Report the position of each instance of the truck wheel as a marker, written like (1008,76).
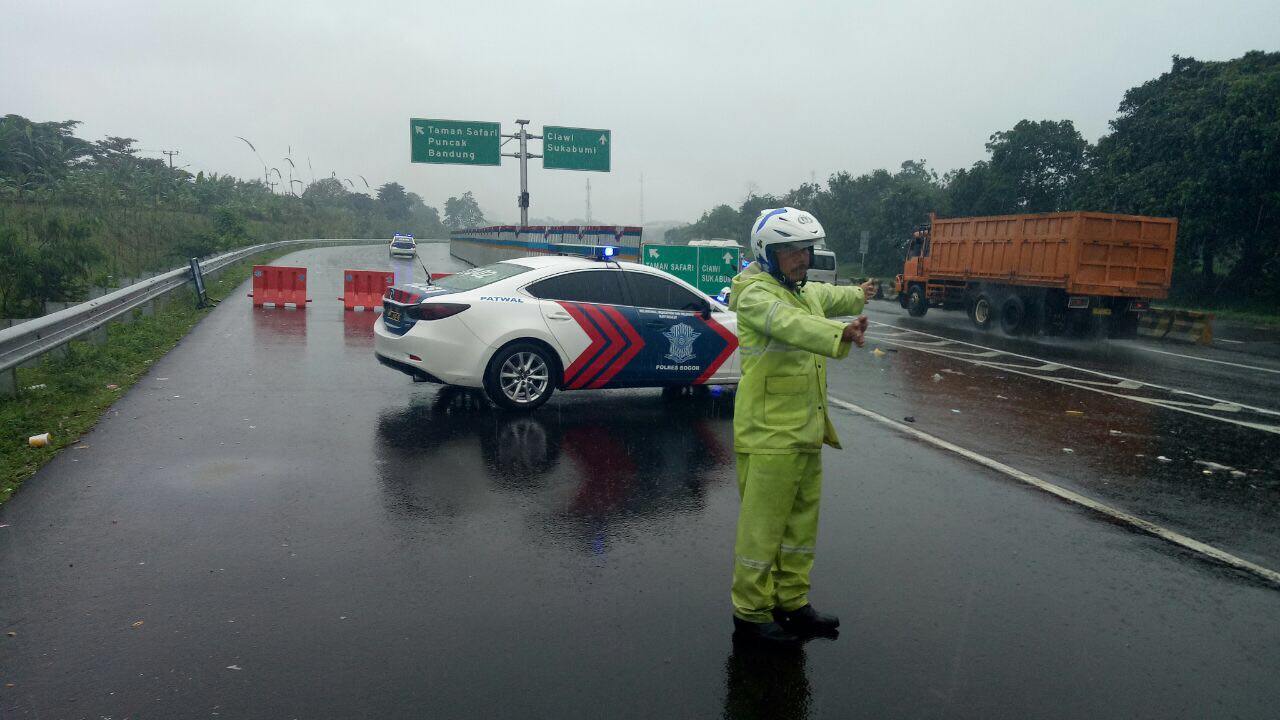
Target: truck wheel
(1012,314)
(982,312)
(521,376)
(917,305)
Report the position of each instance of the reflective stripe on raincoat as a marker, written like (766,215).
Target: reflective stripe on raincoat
(784,338)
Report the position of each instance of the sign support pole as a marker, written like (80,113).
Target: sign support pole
(523,136)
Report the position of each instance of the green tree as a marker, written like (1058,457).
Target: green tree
(1202,143)
(463,212)
(1034,167)
(49,262)
(328,192)
(394,201)
(35,155)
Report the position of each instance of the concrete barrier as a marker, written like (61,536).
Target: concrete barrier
(1177,325)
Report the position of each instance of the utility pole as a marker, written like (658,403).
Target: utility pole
(588,201)
(170,153)
(523,154)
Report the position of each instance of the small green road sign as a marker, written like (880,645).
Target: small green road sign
(455,142)
(566,148)
(707,268)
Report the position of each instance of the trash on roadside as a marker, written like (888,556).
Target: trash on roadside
(1214,465)
(1238,474)
(937,377)
(1162,458)
(955,411)
(138,624)
(1067,450)
(39,441)
(949,371)
(1075,412)
(113,386)
(909,418)
(81,446)
(878,352)
(1001,397)
(41,386)
(1115,432)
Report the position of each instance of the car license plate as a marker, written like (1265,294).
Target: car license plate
(1102,311)
(393,315)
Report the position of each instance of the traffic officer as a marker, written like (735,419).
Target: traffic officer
(780,423)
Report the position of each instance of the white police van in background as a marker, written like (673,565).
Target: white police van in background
(823,268)
(403,246)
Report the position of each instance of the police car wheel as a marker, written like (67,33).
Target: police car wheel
(520,376)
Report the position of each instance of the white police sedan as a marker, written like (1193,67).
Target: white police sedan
(523,328)
(403,246)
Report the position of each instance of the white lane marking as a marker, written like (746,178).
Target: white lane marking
(1193,357)
(1233,342)
(1047,366)
(1135,522)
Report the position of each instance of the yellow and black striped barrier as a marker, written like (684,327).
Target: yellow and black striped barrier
(1178,325)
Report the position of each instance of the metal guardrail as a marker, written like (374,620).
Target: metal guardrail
(36,337)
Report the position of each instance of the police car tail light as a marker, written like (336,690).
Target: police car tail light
(435,311)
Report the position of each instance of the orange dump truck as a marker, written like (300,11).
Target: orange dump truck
(1068,272)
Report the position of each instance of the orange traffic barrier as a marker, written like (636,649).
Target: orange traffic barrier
(279,285)
(364,288)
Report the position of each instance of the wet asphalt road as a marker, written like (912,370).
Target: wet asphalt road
(271,525)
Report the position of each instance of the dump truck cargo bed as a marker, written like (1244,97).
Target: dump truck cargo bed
(1083,253)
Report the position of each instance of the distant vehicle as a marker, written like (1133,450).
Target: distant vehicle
(721,242)
(523,328)
(823,267)
(403,246)
(1070,272)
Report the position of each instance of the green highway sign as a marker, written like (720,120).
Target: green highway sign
(705,267)
(566,148)
(456,142)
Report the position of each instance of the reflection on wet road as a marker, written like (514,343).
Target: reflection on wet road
(580,471)
(1258,418)
(1203,467)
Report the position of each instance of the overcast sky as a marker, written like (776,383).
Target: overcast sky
(705,99)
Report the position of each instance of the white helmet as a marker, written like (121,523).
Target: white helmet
(780,226)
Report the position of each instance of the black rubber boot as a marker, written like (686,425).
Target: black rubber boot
(769,633)
(807,622)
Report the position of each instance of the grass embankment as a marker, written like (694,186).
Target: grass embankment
(66,396)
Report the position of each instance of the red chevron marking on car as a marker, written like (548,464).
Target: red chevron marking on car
(730,344)
(611,351)
(598,343)
(634,343)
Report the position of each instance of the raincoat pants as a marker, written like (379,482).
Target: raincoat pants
(780,425)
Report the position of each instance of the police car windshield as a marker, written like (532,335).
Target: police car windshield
(481,276)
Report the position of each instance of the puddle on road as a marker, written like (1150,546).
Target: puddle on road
(1146,459)
(583,471)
